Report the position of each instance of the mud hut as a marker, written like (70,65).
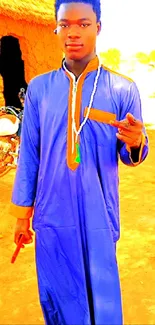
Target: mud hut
(26,28)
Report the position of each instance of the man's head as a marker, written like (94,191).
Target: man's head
(78,24)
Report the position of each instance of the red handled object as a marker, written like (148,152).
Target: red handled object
(16,252)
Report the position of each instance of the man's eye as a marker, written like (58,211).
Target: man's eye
(64,26)
(84,25)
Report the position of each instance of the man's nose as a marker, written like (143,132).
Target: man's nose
(74,32)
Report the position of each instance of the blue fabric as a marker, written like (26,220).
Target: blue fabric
(76,216)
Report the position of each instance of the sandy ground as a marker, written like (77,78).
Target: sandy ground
(19,302)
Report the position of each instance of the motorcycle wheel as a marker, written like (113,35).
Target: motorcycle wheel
(7,170)
(8,163)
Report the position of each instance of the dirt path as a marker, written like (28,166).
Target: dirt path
(136,256)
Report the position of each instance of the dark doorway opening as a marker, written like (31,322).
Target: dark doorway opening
(12,70)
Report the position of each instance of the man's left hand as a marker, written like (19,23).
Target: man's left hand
(129,131)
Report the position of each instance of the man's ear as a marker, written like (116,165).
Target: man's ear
(99,26)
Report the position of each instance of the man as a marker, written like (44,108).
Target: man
(77,121)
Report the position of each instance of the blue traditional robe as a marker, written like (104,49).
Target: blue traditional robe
(76,204)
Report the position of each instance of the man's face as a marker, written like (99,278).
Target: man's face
(77,29)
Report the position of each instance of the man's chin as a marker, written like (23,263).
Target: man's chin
(74,56)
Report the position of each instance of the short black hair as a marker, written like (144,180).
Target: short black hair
(96,4)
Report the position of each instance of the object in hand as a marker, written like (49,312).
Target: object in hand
(19,246)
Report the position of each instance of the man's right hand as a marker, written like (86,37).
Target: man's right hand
(23,228)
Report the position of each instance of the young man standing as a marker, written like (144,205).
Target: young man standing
(78,120)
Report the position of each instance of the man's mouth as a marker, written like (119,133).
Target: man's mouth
(73,45)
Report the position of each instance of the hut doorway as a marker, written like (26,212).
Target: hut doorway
(12,70)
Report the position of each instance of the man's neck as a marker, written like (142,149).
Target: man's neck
(77,67)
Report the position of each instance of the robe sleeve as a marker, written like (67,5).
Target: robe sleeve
(24,190)
(131,103)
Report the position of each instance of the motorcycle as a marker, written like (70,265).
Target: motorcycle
(10,130)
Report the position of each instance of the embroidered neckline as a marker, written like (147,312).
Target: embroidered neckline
(92,65)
